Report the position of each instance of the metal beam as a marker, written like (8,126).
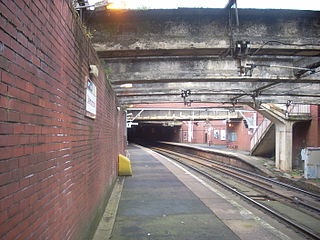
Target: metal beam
(267,51)
(221,78)
(220,99)
(220,88)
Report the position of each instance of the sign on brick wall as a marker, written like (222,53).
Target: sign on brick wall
(91,99)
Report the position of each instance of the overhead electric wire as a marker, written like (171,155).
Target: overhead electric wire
(284,43)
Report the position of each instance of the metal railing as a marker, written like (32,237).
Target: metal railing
(182,114)
(258,134)
(292,110)
(298,109)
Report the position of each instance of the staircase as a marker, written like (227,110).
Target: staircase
(263,139)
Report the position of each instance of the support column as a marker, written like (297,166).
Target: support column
(284,145)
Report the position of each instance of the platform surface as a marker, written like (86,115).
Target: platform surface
(155,204)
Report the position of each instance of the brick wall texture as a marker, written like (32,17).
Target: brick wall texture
(56,165)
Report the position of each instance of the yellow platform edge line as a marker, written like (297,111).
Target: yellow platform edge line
(124,166)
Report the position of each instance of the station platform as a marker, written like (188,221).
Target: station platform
(265,165)
(165,201)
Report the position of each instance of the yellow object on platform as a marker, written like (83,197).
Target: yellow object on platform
(124,166)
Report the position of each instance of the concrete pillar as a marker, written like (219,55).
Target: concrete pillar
(284,145)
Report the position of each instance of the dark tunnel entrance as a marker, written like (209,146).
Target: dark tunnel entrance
(153,132)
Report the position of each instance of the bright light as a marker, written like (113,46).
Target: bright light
(117,4)
(126,85)
(161,4)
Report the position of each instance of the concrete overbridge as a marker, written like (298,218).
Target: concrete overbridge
(175,116)
(183,114)
(272,56)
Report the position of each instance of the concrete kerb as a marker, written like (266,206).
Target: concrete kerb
(254,162)
(258,162)
(105,227)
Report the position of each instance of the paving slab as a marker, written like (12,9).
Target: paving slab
(155,204)
(165,201)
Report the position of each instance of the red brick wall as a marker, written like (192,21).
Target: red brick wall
(200,128)
(306,134)
(56,165)
(243,133)
(299,141)
(243,136)
(313,133)
(218,125)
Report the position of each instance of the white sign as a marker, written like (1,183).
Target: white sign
(129,124)
(91,99)
(222,134)
(216,134)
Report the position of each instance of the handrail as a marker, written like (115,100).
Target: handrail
(257,135)
(292,110)
(299,109)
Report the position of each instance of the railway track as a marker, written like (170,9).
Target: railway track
(268,194)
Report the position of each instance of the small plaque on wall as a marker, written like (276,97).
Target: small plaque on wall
(91,99)
(223,134)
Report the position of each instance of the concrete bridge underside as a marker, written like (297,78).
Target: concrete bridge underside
(272,56)
(205,55)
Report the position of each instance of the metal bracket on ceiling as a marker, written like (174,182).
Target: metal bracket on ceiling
(248,69)
(241,48)
(184,95)
(256,102)
(234,102)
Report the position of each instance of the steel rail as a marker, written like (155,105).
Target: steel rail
(269,210)
(266,178)
(260,176)
(248,180)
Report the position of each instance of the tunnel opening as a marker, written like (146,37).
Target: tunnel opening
(150,133)
(211,133)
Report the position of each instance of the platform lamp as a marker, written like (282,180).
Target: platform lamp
(93,70)
(81,5)
(77,4)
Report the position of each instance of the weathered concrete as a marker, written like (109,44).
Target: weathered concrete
(284,145)
(161,52)
(204,29)
(105,227)
(209,79)
(283,133)
(236,159)
(265,147)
